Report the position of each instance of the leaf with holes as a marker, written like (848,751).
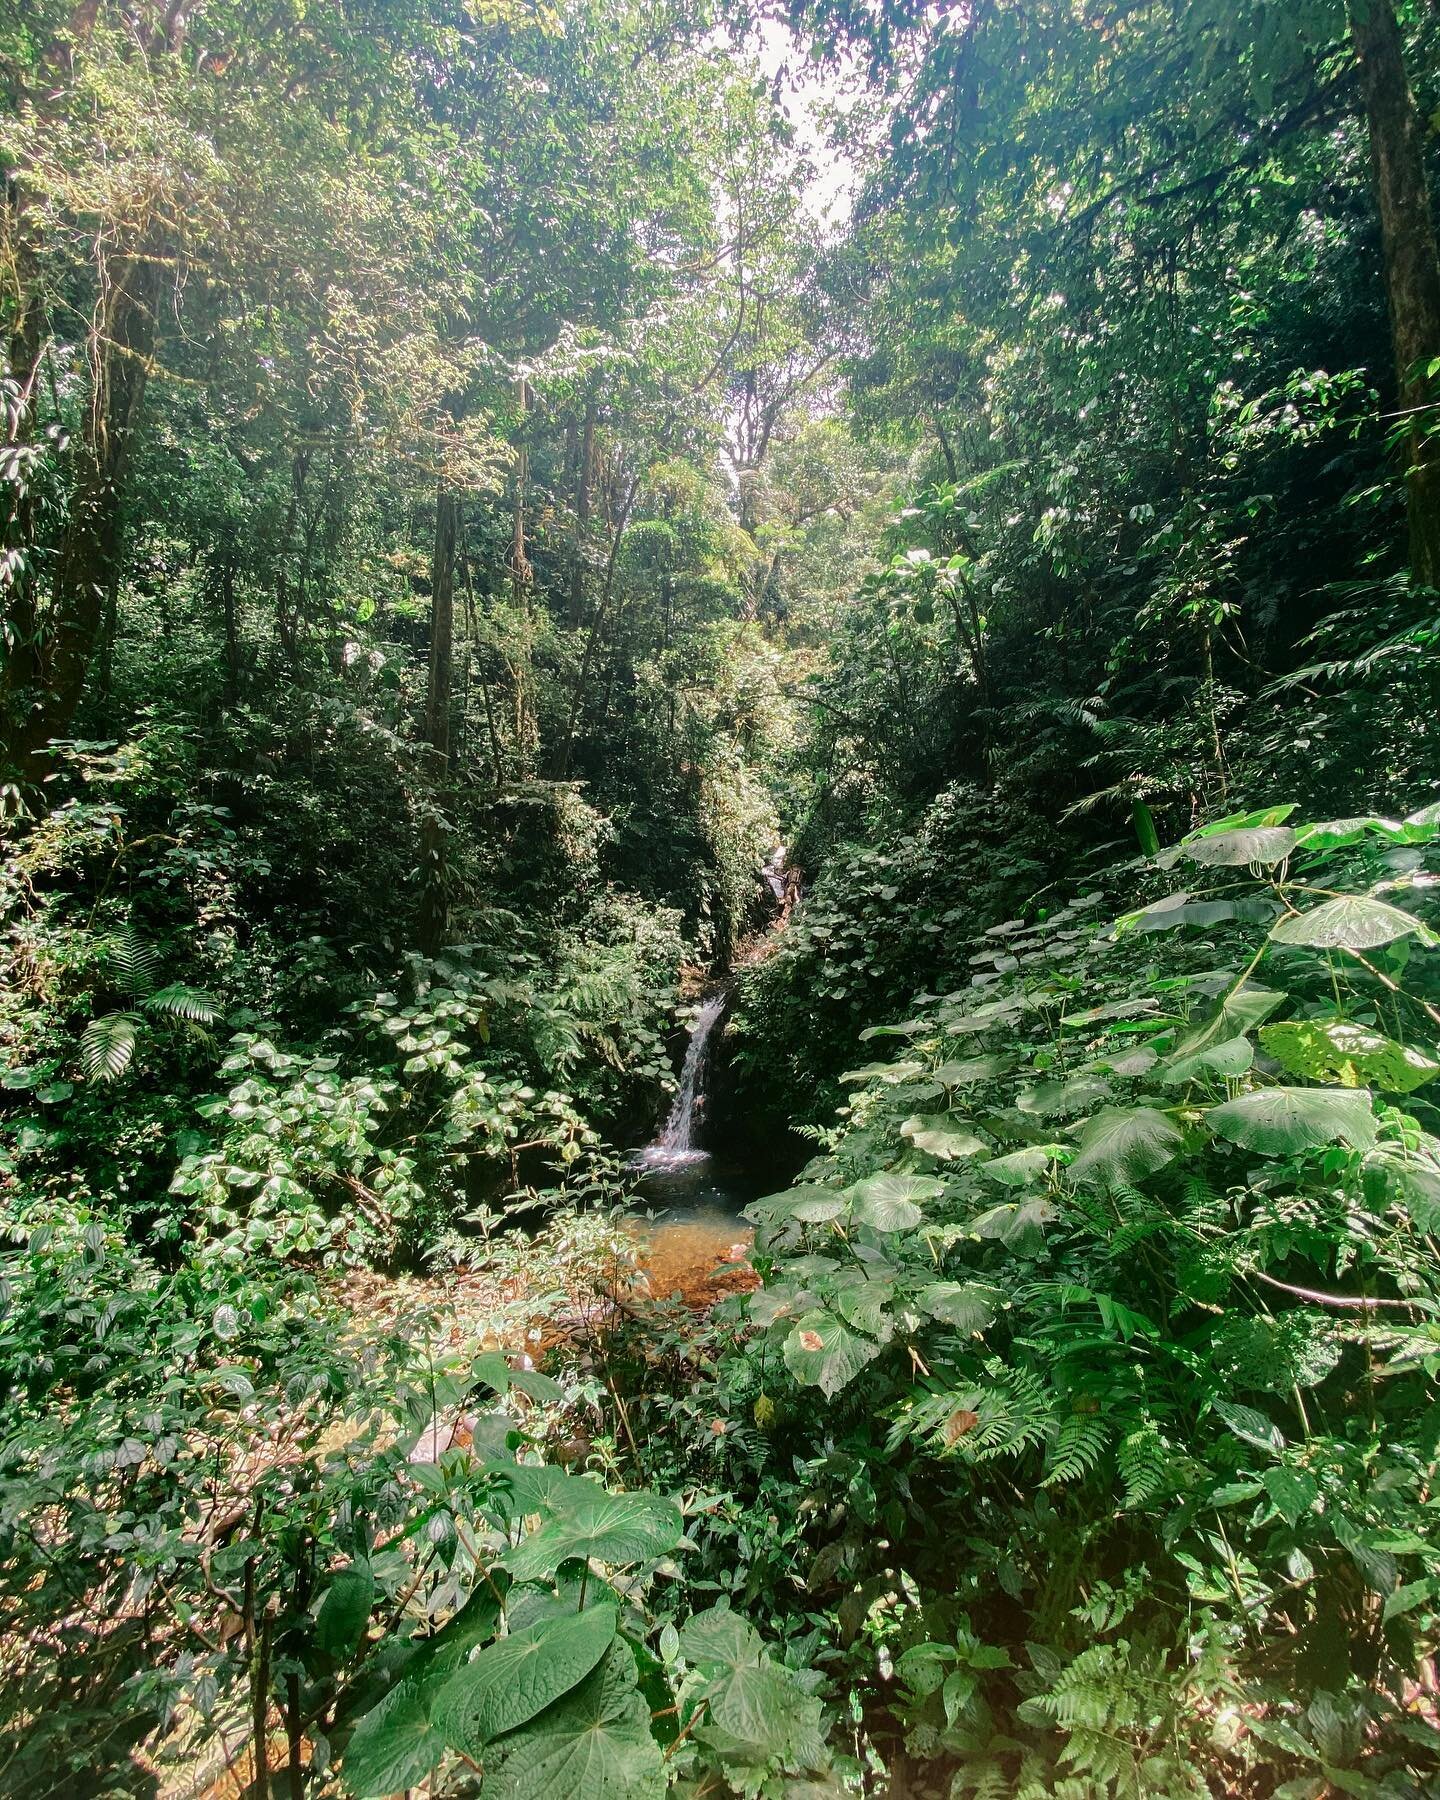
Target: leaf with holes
(1352,1055)
(595,1744)
(823,1352)
(1351,922)
(610,1528)
(1282,1121)
(1120,1147)
(508,1682)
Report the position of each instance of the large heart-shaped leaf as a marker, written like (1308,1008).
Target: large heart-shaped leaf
(888,1201)
(966,1305)
(809,1205)
(1335,1050)
(1350,922)
(1019,1225)
(1062,1099)
(595,1744)
(972,1069)
(1240,1011)
(719,1639)
(1282,1121)
(611,1528)
(938,1134)
(1018,1168)
(508,1682)
(394,1746)
(1123,1146)
(1260,844)
(823,1352)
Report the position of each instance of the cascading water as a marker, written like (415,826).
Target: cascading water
(676,1143)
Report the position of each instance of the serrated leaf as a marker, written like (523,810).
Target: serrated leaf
(1060,1099)
(611,1528)
(394,1747)
(508,1682)
(1282,1121)
(1251,1426)
(595,1744)
(1291,1491)
(719,1639)
(1350,922)
(1123,1146)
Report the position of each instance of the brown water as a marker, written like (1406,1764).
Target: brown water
(688,1214)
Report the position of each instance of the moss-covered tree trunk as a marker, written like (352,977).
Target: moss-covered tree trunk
(1412,266)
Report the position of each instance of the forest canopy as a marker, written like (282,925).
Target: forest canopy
(719,968)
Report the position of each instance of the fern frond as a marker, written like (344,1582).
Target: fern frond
(1077,1448)
(133,963)
(107,1046)
(177,1001)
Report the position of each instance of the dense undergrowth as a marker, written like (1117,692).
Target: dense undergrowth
(464,503)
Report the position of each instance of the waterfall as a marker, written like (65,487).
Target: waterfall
(676,1143)
(775,875)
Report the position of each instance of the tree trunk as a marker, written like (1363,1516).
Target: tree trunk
(582,520)
(434,896)
(1412,266)
(87,564)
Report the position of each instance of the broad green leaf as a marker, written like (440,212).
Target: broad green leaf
(808,1205)
(755,1712)
(1253,1427)
(888,1201)
(394,1747)
(611,1528)
(1292,1492)
(966,1305)
(1145,832)
(1121,1147)
(1336,834)
(595,1744)
(1262,845)
(889,1073)
(719,1639)
(345,1610)
(821,1351)
(1247,821)
(1019,1224)
(493,1368)
(1230,1058)
(938,1134)
(511,1680)
(865,1305)
(1281,1121)
(525,1488)
(1334,1050)
(1351,922)
(1239,1012)
(1059,1099)
(972,1069)
(1018,1168)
